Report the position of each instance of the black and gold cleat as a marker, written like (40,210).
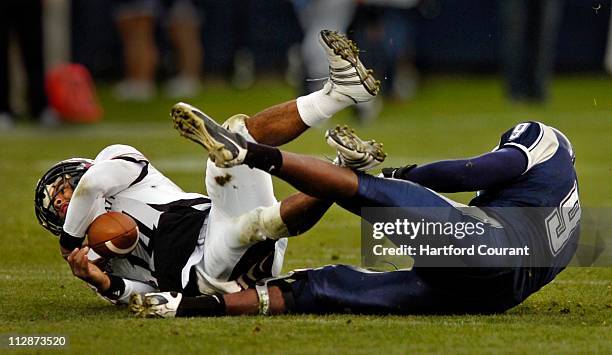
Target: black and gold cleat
(353,152)
(225,149)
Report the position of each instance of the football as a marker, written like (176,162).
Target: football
(113,234)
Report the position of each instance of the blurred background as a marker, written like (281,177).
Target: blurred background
(142,50)
(78,75)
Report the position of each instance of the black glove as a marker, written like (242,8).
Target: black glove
(398,173)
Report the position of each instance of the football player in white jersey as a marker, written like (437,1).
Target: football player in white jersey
(189,242)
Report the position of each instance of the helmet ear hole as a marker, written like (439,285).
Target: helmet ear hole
(70,170)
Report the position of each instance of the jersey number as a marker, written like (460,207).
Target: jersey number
(518,130)
(562,222)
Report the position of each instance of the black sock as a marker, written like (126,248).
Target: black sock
(201,306)
(263,157)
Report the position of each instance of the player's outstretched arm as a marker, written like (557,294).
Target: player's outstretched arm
(472,174)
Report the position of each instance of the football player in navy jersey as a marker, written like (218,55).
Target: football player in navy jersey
(532,167)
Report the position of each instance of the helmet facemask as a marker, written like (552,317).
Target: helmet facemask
(67,172)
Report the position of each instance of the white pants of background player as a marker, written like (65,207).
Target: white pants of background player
(233,192)
(314,16)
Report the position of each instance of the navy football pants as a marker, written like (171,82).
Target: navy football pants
(341,288)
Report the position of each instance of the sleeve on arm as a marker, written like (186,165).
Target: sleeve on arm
(69,242)
(535,140)
(102,180)
(478,173)
(119,150)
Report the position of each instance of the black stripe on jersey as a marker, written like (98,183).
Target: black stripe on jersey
(148,232)
(180,203)
(256,263)
(136,261)
(148,282)
(147,248)
(143,172)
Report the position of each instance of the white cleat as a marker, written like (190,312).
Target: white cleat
(349,79)
(352,152)
(155,305)
(225,149)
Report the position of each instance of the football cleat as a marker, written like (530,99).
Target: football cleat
(155,305)
(349,79)
(225,149)
(352,152)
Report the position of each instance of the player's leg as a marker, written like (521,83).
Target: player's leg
(135,21)
(349,82)
(233,192)
(232,189)
(410,201)
(299,212)
(314,16)
(326,181)
(30,36)
(245,211)
(312,176)
(278,124)
(238,191)
(185,28)
(608,57)
(6,119)
(337,289)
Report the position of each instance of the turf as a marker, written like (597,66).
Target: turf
(450,117)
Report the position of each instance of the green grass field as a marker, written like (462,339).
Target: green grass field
(451,117)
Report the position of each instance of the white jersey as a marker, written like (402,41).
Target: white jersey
(188,242)
(121,179)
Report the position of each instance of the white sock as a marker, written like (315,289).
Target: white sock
(271,223)
(316,107)
(237,124)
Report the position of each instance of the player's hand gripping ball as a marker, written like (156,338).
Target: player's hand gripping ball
(113,234)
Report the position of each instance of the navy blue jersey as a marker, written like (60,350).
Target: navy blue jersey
(548,183)
(549,174)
